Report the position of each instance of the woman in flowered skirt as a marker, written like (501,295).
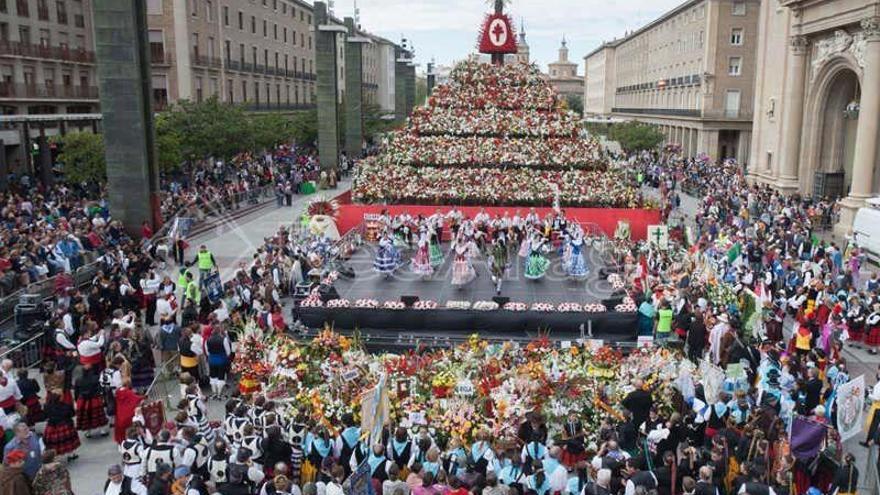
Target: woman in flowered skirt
(59,434)
(872,334)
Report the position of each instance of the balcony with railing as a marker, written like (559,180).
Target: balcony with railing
(676,112)
(43,12)
(30,50)
(268,107)
(49,91)
(200,60)
(21,7)
(159,57)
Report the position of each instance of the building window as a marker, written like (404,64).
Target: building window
(253,25)
(22,8)
(209,10)
(154,7)
(265,29)
(739,7)
(157,46)
(194,7)
(42,10)
(244,91)
(731,103)
(225,15)
(45,38)
(241,54)
(734,67)
(230,92)
(275,31)
(195,45)
(61,11)
(736,36)
(769,160)
(160,91)
(285,35)
(240,20)
(227,46)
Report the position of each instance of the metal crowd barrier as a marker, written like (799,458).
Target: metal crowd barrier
(27,354)
(160,390)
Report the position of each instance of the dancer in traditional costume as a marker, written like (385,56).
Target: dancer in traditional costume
(498,262)
(463,271)
(576,267)
(434,240)
(536,263)
(421,262)
(388,258)
(60,434)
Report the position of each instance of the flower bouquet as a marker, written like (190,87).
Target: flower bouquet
(458,305)
(515,306)
(569,307)
(543,307)
(425,305)
(313,301)
(595,308)
(366,304)
(394,305)
(339,303)
(485,305)
(442,383)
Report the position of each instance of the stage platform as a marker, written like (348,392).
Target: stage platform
(554,288)
(352,215)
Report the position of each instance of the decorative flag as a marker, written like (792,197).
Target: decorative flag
(734,252)
(375,410)
(497,35)
(806,438)
(850,405)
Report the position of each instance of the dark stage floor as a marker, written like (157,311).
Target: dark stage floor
(554,287)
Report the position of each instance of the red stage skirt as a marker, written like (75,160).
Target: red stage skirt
(856,334)
(63,438)
(873,337)
(34,410)
(90,414)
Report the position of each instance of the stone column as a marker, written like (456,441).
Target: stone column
(44,159)
(327,90)
(401,65)
(124,79)
(794,112)
(354,121)
(410,88)
(4,167)
(865,157)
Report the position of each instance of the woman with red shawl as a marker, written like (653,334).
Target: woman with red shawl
(127,400)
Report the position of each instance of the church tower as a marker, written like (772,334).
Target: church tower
(522,48)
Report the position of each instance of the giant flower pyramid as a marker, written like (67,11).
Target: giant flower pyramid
(494,135)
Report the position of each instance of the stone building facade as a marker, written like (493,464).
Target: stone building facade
(691,72)
(817,101)
(47,72)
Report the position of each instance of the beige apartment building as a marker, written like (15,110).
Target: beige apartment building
(47,72)
(255,52)
(260,53)
(691,72)
(817,101)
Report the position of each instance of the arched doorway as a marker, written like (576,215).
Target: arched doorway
(837,132)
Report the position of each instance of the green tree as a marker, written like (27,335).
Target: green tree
(82,155)
(575,103)
(168,143)
(636,136)
(374,123)
(304,128)
(421,91)
(209,128)
(268,130)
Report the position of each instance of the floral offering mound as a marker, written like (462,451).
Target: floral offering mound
(475,386)
(494,135)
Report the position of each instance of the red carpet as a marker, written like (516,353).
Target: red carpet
(351,215)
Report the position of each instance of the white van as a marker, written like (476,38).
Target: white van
(866,229)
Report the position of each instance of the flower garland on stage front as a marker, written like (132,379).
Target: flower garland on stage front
(476,385)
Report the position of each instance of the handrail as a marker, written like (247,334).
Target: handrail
(153,393)
(86,272)
(26,354)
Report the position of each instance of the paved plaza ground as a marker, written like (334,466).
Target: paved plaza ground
(235,242)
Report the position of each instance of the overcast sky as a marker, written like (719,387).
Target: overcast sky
(447,29)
